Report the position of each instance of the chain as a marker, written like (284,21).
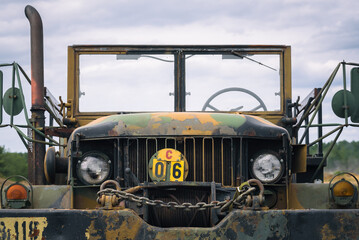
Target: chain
(186,206)
(243,198)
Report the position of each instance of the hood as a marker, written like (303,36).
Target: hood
(179,124)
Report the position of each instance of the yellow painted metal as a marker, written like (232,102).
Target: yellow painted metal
(168,154)
(186,139)
(22,227)
(82,118)
(299,163)
(287,75)
(71,81)
(179,167)
(168,165)
(158,169)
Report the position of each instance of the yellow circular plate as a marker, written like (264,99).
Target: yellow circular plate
(168,165)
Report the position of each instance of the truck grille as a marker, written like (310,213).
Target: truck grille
(209,158)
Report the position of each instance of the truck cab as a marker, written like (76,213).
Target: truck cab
(147,116)
(176,141)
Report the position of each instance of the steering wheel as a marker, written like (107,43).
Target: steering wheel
(234,89)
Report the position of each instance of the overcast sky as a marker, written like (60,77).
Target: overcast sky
(321,33)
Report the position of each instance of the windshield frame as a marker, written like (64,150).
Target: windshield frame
(179,53)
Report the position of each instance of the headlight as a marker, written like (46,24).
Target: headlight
(267,167)
(93,168)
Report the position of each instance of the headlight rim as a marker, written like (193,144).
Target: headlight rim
(92,153)
(267,151)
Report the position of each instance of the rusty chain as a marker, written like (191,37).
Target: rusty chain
(239,202)
(123,195)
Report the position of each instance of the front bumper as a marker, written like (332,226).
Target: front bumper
(125,224)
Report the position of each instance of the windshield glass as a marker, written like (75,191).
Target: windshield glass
(232,83)
(146,82)
(110,83)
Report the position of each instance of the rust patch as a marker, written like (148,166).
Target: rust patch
(34,233)
(250,132)
(326,233)
(129,228)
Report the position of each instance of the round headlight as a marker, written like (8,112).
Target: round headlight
(93,168)
(267,168)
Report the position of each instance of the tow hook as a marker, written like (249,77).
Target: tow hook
(244,197)
(108,200)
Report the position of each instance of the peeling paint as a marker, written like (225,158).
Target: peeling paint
(326,233)
(22,227)
(180,124)
(238,224)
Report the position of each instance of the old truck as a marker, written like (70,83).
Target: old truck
(176,142)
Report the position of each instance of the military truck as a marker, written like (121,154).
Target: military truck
(176,142)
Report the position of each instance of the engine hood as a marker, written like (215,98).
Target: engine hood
(180,124)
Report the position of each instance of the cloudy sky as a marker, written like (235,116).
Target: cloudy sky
(321,33)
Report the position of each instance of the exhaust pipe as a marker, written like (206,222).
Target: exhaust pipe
(36,150)
(37,57)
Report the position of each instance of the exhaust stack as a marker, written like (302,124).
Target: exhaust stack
(36,150)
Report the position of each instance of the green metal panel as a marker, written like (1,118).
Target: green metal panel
(1,83)
(338,103)
(12,101)
(355,91)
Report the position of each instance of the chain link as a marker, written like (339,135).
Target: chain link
(242,198)
(186,206)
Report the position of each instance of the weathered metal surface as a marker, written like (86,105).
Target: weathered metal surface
(183,124)
(37,57)
(52,196)
(124,224)
(37,150)
(64,132)
(52,106)
(299,161)
(308,195)
(85,198)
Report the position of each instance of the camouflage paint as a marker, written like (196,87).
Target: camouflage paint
(180,124)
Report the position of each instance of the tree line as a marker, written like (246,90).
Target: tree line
(343,157)
(12,163)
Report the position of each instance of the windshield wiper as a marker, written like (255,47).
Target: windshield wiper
(250,59)
(137,56)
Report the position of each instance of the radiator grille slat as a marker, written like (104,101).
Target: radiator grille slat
(209,158)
